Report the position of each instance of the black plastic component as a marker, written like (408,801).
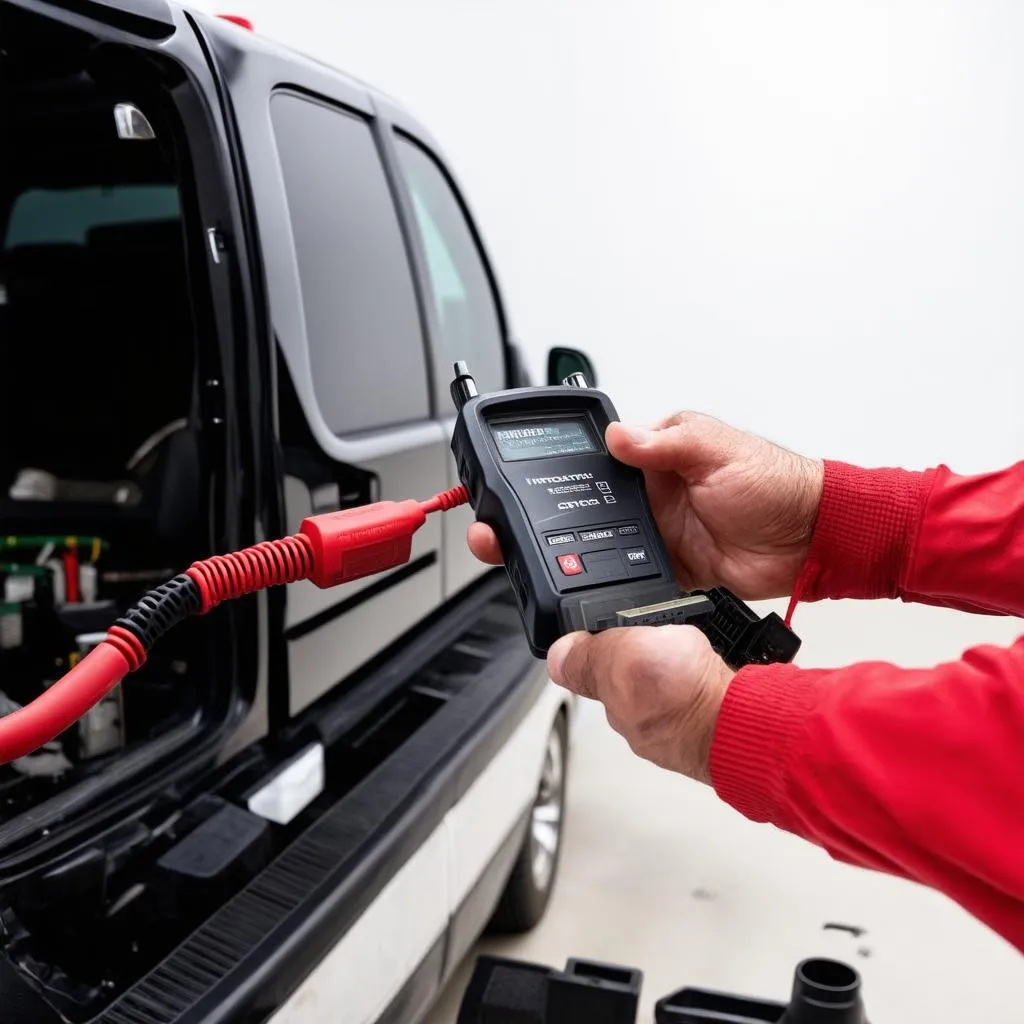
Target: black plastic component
(594,993)
(230,842)
(86,618)
(504,991)
(742,637)
(162,609)
(824,992)
(559,479)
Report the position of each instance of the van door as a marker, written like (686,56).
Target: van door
(357,420)
(464,313)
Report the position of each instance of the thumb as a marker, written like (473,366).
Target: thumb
(690,447)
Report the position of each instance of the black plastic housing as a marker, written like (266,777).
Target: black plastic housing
(504,991)
(824,992)
(516,513)
(742,637)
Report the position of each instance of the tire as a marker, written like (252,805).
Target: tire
(533,875)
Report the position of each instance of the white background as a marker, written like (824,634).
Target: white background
(806,218)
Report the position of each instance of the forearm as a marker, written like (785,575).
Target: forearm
(931,537)
(911,771)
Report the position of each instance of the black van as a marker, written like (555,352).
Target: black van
(232,282)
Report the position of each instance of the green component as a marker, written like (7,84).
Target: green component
(17,569)
(9,608)
(66,540)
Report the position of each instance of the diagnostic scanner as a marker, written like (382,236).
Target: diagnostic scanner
(577,535)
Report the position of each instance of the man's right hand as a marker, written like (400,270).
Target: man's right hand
(733,509)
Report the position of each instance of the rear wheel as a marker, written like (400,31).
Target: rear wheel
(532,881)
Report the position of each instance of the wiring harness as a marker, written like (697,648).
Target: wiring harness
(329,549)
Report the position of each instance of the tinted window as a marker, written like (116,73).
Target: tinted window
(47,216)
(461,289)
(362,325)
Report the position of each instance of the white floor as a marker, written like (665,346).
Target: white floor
(658,874)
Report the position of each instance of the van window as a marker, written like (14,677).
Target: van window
(366,345)
(464,302)
(44,216)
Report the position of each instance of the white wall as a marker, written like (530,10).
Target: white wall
(804,217)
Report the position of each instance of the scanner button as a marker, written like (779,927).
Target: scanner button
(590,535)
(604,565)
(570,565)
(636,556)
(555,539)
(629,531)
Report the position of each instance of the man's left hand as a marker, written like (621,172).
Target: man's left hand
(661,688)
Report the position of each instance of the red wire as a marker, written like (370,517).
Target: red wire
(36,724)
(71,575)
(217,579)
(446,500)
(244,572)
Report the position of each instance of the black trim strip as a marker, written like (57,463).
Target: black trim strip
(150,19)
(375,589)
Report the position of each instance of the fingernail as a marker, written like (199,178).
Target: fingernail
(557,653)
(638,435)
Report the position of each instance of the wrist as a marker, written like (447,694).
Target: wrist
(864,532)
(811,476)
(718,676)
(758,731)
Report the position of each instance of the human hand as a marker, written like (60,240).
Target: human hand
(733,509)
(661,688)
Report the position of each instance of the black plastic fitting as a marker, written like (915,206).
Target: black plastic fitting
(742,637)
(161,609)
(824,992)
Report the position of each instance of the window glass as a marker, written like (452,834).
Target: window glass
(365,340)
(463,299)
(43,216)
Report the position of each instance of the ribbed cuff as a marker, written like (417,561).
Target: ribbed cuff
(762,716)
(866,527)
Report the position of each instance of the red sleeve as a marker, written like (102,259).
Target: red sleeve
(916,772)
(932,537)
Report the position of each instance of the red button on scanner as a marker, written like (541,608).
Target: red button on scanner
(570,564)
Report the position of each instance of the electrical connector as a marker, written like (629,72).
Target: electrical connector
(359,542)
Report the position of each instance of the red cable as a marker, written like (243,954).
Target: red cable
(34,725)
(446,500)
(244,572)
(71,575)
(333,548)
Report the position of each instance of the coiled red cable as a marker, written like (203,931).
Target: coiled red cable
(349,544)
(269,564)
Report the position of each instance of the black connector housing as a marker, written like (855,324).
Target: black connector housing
(742,637)
(515,992)
(824,992)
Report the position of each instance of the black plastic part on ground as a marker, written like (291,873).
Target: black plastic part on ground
(824,992)
(513,992)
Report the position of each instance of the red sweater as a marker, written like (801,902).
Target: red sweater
(917,772)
